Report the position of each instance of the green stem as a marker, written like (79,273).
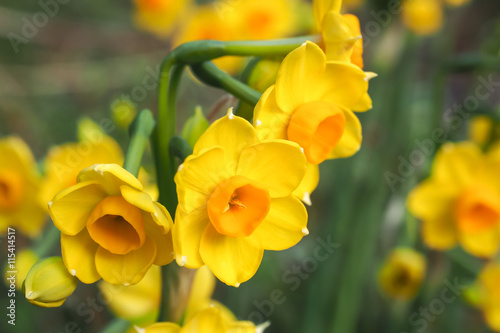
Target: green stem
(180,148)
(140,131)
(169,277)
(210,74)
(118,325)
(472,61)
(45,244)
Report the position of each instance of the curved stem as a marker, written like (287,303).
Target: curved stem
(180,148)
(210,74)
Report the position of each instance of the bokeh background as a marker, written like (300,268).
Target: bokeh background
(91,56)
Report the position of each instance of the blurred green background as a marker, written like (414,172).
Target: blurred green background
(90,54)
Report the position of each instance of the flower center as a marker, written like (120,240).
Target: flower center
(238,206)
(317,127)
(477,209)
(11,190)
(117,225)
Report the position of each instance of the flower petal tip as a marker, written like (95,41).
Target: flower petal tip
(181,261)
(258,123)
(126,284)
(305,232)
(49,204)
(237,284)
(307,199)
(260,328)
(230,113)
(72,272)
(180,167)
(139,329)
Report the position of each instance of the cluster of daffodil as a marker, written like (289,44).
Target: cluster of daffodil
(425,17)
(227,191)
(459,205)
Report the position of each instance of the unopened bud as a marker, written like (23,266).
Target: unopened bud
(195,126)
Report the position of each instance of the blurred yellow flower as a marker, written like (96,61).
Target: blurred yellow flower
(423,17)
(110,228)
(159,16)
(49,283)
(490,294)
(235,200)
(481,130)
(19,186)
(402,273)
(460,201)
(210,320)
(63,163)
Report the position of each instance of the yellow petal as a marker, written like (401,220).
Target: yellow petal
(322,7)
(439,233)
(481,244)
(110,176)
(206,321)
(364,104)
(230,132)
(232,260)
(78,253)
(350,142)
(199,176)
(161,328)
(125,269)
(139,199)
(456,164)
(18,154)
(242,327)
(280,166)
(71,208)
(284,226)
(163,240)
(187,233)
(339,37)
(308,184)
(269,120)
(431,200)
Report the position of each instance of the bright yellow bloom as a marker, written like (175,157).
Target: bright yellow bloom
(460,201)
(110,228)
(25,259)
(490,294)
(402,273)
(423,17)
(19,186)
(235,200)
(211,320)
(49,283)
(63,163)
(159,16)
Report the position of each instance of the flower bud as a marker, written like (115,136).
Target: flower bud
(264,74)
(195,126)
(49,283)
(123,111)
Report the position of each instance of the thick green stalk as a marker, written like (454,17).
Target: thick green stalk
(180,148)
(140,131)
(118,325)
(210,74)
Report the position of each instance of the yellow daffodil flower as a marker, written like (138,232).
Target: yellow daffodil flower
(110,228)
(211,320)
(19,186)
(490,294)
(159,16)
(235,200)
(460,201)
(481,130)
(423,17)
(63,163)
(402,273)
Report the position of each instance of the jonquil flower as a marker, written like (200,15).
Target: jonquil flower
(460,201)
(19,186)
(159,16)
(423,17)
(235,200)
(110,228)
(489,294)
(311,104)
(402,273)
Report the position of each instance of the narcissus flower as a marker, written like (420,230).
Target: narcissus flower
(110,228)
(159,16)
(63,163)
(402,273)
(423,17)
(211,320)
(481,130)
(460,201)
(49,283)
(235,200)
(489,294)
(19,186)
